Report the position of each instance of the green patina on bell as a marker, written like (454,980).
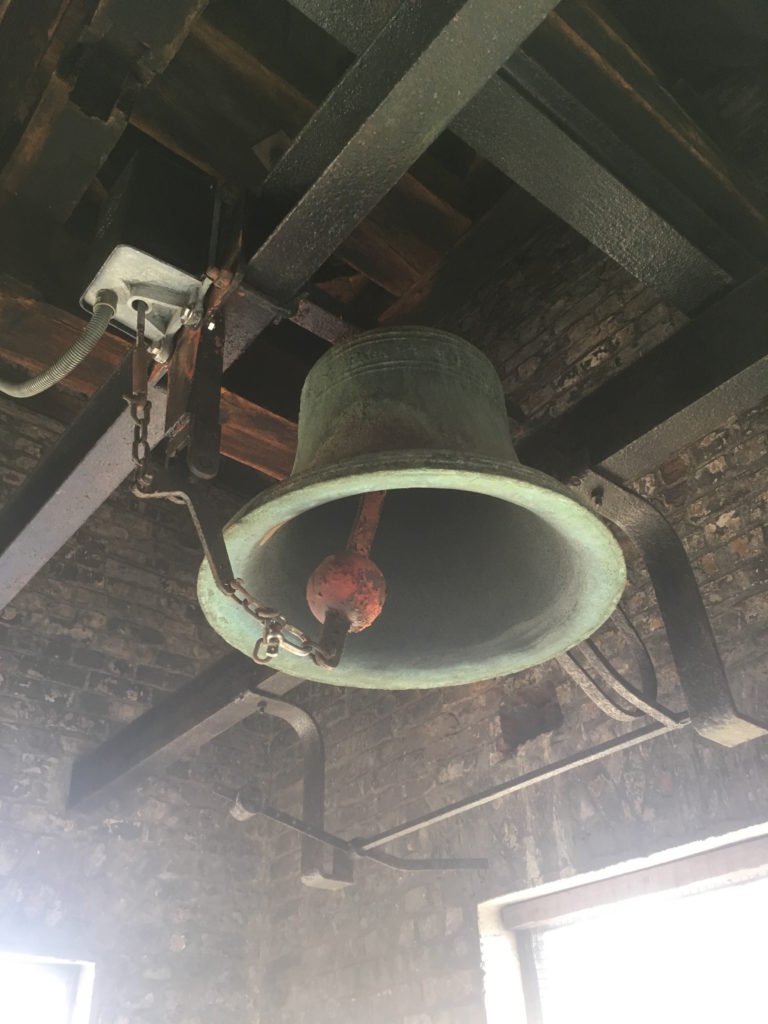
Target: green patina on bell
(490,567)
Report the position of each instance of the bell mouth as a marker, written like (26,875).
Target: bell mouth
(490,568)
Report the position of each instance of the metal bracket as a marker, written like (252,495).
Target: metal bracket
(606,687)
(313,871)
(702,676)
(173,297)
(250,803)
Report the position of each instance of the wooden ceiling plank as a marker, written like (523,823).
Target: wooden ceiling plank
(81,113)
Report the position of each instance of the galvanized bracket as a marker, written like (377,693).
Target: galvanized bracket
(700,669)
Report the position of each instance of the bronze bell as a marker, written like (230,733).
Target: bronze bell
(490,567)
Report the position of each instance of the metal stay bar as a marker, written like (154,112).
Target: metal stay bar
(503,789)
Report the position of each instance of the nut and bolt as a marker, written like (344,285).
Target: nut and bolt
(191,316)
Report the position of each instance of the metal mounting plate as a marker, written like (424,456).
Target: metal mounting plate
(173,296)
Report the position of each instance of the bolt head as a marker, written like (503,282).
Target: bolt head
(190,317)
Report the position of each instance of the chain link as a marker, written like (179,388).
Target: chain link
(277,633)
(139,403)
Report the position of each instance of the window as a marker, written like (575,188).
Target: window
(679,941)
(41,990)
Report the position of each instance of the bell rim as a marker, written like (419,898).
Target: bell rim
(401,470)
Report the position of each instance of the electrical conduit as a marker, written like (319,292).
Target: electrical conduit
(103,310)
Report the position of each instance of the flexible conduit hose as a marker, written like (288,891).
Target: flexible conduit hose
(103,310)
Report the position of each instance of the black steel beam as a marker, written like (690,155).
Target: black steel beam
(713,368)
(540,156)
(579,165)
(89,461)
(586,72)
(623,157)
(415,75)
(221,696)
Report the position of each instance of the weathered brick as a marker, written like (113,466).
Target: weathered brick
(113,885)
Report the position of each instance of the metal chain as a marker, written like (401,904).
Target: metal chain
(139,404)
(277,633)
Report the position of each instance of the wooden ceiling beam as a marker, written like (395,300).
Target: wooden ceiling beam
(33,334)
(81,111)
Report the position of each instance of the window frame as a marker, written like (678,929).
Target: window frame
(80,987)
(507,924)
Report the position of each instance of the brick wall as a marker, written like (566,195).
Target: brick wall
(404,947)
(158,886)
(558,319)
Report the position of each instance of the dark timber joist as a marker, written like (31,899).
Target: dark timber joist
(576,161)
(83,109)
(472,262)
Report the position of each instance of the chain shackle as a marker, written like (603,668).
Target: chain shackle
(278,634)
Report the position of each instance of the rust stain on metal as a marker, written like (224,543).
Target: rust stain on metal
(366,522)
(349,583)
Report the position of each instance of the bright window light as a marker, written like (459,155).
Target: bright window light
(664,959)
(37,990)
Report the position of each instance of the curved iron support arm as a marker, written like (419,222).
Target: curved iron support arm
(702,676)
(313,872)
(311,826)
